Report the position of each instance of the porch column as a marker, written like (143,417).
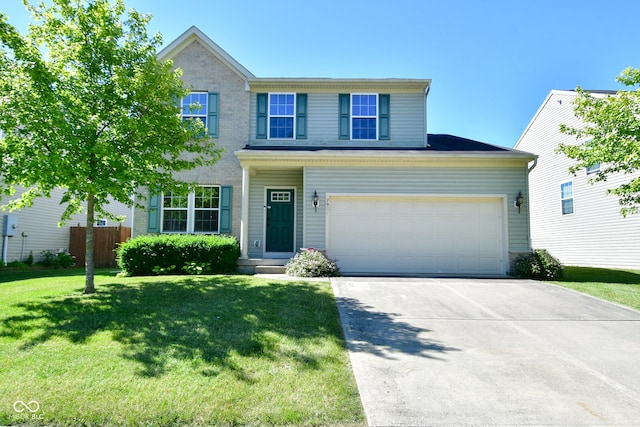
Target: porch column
(244,216)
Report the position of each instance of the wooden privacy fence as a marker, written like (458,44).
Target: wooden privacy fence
(105,241)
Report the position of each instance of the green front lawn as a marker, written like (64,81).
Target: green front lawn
(181,350)
(620,286)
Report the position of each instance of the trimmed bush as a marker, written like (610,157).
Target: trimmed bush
(311,263)
(538,265)
(178,253)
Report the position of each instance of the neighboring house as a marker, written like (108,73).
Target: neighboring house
(36,227)
(344,166)
(576,221)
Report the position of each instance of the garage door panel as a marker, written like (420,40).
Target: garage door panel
(418,235)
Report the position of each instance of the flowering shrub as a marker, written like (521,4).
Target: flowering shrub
(311,263)
(56,259)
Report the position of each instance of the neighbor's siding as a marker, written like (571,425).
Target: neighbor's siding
(40,225)
(424,181)
(596,234)
(257,193)
(407,123)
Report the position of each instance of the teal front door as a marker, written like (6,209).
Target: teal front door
(280,221)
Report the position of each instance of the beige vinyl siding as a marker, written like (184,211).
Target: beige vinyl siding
(596,234)
(407,123)
(259,182)
(482,181)
(40,224)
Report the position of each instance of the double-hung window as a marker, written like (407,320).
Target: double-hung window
(202,106)
(364,116)
(194,106)
(282,113)
(566,197)
(195,212)
(281,116)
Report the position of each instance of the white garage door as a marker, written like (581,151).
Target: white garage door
(457,236)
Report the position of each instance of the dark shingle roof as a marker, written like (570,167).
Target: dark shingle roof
(437,142)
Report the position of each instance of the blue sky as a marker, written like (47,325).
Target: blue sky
(492,62)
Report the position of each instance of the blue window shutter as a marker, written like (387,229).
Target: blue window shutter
(383,115)
(153,224)
(262,105)
(301,116)
(212,117)
(345,115)
(226,202)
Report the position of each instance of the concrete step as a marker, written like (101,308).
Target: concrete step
(250,266)
(269,269)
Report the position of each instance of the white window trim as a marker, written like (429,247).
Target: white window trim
(196,116)
(572,198)
(295,108)
(377,116)
(191,209)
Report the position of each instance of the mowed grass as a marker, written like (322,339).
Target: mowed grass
(619,286)
(164,351)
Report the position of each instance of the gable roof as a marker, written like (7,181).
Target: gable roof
(194,34)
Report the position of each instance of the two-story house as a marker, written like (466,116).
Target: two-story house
(575,220)
(345,166)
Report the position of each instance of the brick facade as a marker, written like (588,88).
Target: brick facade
(203,71)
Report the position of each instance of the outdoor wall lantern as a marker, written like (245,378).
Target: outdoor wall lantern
(315,199)
(519,201)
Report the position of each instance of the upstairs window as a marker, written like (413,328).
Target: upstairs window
(364,116)
(194,106)
(281,116)
(202,106)
(566,197)
(282,113)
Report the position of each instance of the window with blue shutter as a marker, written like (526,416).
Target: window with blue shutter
(153,222)
(301,116)
(384,132)
(262,102)
(226,203)
(344,101)
(212,117)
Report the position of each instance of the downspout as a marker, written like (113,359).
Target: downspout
(426,129)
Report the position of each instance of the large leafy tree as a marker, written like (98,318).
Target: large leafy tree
(86,106)
(612,133)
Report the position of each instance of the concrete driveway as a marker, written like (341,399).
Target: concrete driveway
(434,352)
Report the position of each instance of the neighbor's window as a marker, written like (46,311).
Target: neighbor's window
(195,212)
(364,116)
(593,168)
(194,106)
(282,113)
(566,196)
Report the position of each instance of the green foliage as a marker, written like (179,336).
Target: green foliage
(311,263)
(87,107)
(1,263)
(145,255)
(540,264)
(30,259)
(56,259)
(611,132)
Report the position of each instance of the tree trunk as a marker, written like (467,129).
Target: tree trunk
(88,263)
